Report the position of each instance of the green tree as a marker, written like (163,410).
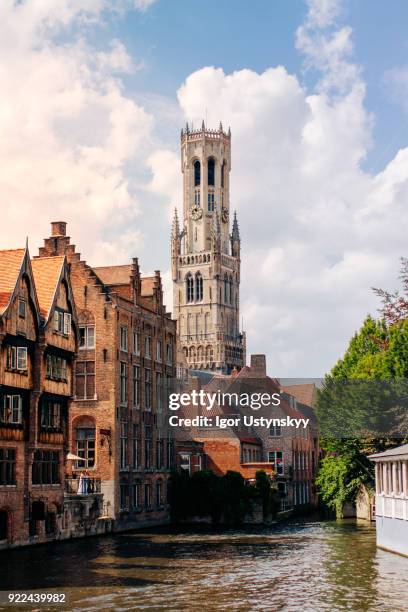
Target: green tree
(362,409)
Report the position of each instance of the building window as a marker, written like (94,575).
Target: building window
(136,385)
(12,410)
(16,358)
(85,380)
(50,414)
(159,350)
(211,202)
(136,343)
(136,447)
(123,445)
(211,172)
(22,310)
(123,382)
(223,173)
(197,197)
(85,439)
(148,495)
(169,453)
(148,346)
(86,336)
(148,389)
(185,462)
(46,467)
(124,338)
(62,322)
(159,392)
(56,368)
(123,496)
(3,525)
(275,431)
(136,495)
(148,447)
(159,454)
(189,288)
(7,466)
(199,286)
(169,353)
(159,493)
(197,173)
(276,458)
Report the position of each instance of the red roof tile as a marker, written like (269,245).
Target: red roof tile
(10,266)
(47,272)
(114,275)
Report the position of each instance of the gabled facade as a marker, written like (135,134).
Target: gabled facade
(38,338)
(126,358)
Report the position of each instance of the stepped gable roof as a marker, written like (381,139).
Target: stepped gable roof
(10,267)
(47,273)
(114,275)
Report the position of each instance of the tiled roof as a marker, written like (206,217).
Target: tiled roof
(304,393)
(10,266)
(114,275)
(147,285)
(47,272)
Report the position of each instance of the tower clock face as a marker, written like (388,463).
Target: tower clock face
(224,215)
(196,213)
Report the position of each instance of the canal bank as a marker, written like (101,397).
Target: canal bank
(299,565)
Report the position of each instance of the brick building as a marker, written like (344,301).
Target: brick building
(290,454)
(118,419)
(38,340)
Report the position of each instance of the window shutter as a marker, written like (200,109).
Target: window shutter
(21,358)
(67,323)
(56,320)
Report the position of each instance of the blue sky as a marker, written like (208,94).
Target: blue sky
(319,146)
(173,38)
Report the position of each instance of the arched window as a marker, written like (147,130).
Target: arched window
(197,173)
(223,173)
(211,172)
(230,290)
(189,288)
(199,286)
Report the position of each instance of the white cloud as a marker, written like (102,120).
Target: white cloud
(318,231)
(67,128)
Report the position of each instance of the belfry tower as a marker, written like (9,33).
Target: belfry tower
(206,257)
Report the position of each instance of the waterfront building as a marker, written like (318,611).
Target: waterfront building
(391,499)
(206,257)
(291,455)
(38,340)
(126,360)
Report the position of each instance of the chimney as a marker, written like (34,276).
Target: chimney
(258,365)
(58,228)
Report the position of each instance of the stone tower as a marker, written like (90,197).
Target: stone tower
(206,256)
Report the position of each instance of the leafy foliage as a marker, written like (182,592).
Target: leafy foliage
(362,407)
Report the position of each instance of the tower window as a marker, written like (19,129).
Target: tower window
(197,197)
(223,173)
(189,288)
(197,173)
(199,286)
(211,202)
(211,172)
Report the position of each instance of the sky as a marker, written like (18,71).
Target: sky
(93,94)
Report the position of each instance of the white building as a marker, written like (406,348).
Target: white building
(391,500)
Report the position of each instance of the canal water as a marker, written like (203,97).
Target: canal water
(302,565)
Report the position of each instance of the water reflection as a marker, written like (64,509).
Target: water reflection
(298,566)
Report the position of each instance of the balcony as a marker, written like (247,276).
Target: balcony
(82,486)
